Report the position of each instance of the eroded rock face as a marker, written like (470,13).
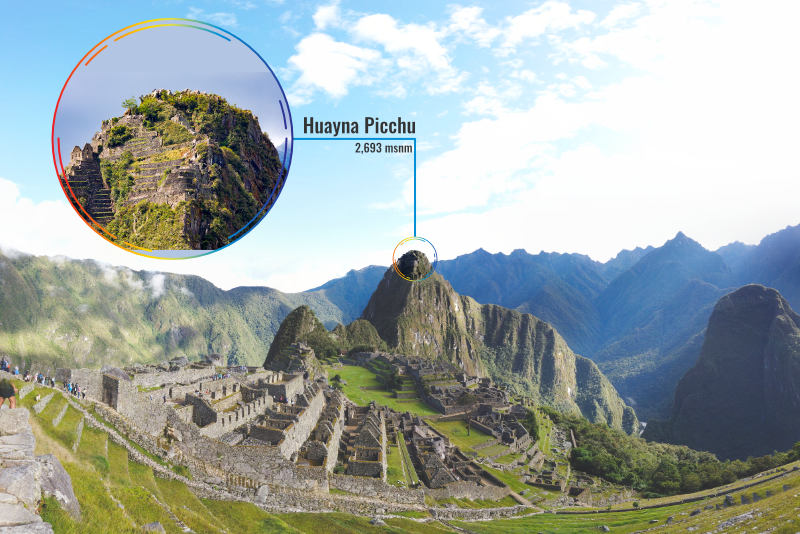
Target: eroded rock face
(414,265)
(20,475)
(57,483)
(742,397)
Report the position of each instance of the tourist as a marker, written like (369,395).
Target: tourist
(8,391)
(16,370)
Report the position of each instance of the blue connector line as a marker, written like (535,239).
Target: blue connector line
(414,139)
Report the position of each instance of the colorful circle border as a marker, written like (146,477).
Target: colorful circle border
(433,265)
(55,144)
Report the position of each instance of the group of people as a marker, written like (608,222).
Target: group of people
(9,391)
(5,365)
(75,390)
(40,378)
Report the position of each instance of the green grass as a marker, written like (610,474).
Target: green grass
(478,503)
(100,474)
(186,506)
(143,508)
(493,450)
(457,432)
(509,479)
(395,474)
(508,458)
(246,517)
(356,377)
(408,465)
(349,524)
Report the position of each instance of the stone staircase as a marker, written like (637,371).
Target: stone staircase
(86,182)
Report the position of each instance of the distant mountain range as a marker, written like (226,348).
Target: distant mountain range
(640,316)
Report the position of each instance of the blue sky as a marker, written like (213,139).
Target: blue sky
(562,126)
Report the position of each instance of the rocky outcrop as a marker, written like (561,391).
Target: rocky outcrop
(427,318)
(180,170)
(24,478)
(742,397)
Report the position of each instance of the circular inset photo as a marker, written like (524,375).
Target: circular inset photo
(414,259)
(172,138)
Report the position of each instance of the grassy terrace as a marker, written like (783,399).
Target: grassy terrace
(363,387)
(776,513)
(457,432)
(119,495)
(395,474)
(408,465)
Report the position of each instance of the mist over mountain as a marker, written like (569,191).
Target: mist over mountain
(57,311)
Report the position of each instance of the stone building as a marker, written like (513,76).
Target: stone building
(505,427)
(365,442)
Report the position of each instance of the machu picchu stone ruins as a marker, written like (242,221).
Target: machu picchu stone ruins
(177,171)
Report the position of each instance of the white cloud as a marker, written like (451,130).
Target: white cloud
(221,18)
(548,18)
(329,65)
(701,139)
(621,13)
(327,16)
(468,21)
(243,4)
(417,50)
(156,284)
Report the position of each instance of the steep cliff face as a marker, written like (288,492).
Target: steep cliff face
(742,397)
(429,319)
(180,170)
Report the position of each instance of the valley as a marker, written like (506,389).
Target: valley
(428,411)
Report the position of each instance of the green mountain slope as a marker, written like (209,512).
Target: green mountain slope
(61,312)
(429,319)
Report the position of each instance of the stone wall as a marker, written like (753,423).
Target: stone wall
(25,478)
(333,442)
(375,487)
(297,433)
(287,388)
(207,457)
(227,421)
(181,376)
(468,490)
(202,412)
(90,380)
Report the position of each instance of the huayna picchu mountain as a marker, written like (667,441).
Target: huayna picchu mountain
(742,397)
(178,170)
(429,319)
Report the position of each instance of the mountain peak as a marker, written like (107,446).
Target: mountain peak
(745,377)
(414,265)
(682,239)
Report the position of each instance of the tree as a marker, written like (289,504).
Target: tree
(130,104)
